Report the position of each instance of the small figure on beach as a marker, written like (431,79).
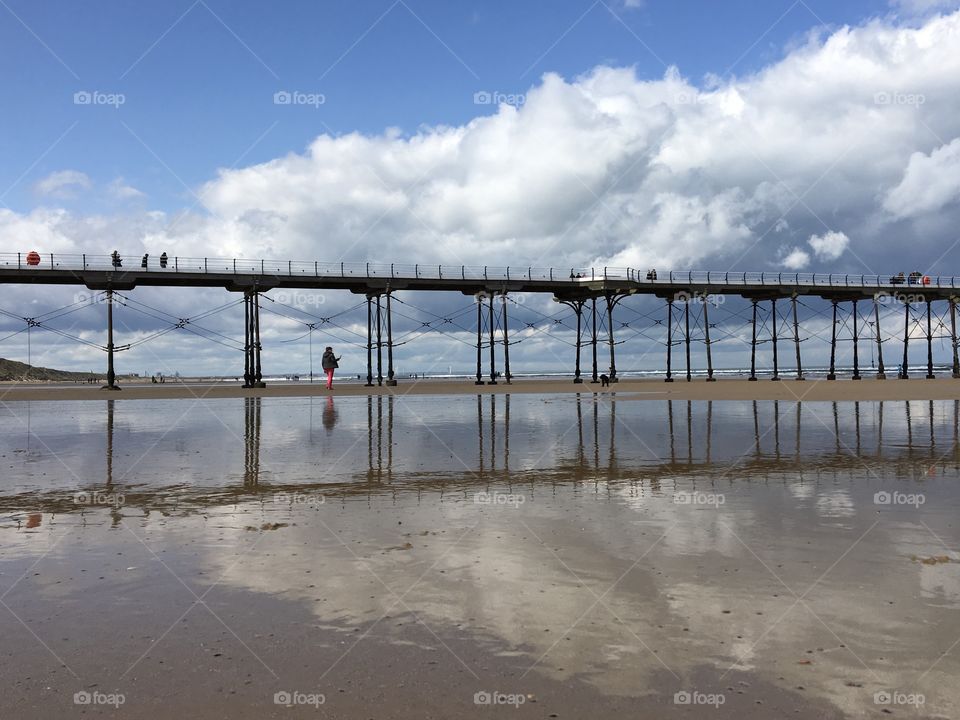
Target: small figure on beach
(163,260)
(329,362)
(115,259)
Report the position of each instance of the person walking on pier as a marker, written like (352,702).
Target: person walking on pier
(329,362)
(163,260)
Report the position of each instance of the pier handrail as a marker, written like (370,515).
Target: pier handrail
(177,265)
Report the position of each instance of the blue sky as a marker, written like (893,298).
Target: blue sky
(791,135)
(198,77)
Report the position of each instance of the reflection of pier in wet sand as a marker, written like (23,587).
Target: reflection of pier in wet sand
(606,439)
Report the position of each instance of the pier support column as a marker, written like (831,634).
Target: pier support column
(391,380)
(773,337)
(706,340)
(796,337)
(904,372)
(611,303)
(953,336)
(111,374)
(753,343)
(881,374)
(856,338)
(257,370)
(247,342)
(369,382)
(669,377)
(930,375)
(506,338)
(379,343)
(493,359)
(832,375)
(578,309)
(593,340)
(686,333)
(479,301)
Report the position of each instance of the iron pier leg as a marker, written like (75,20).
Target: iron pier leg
(953,336)
(753,343)
(257,371)
(930,375)
(479,301)
(773,318)
(506,340)
(369,382)
(593,341)
(856,339)
(379,343)
(796,337)
(686,334)
(578,308)
(832,375)
(247,343)
(493,361)
(613,360)
(904,372)
(111,375)
(669,377)
(881,375)
(706,338)
(391,380)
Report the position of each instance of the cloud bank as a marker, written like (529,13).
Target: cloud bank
(856,132)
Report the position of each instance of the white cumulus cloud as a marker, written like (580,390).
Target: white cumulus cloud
(63,183)
(829,246)
(796,259)
(929,183)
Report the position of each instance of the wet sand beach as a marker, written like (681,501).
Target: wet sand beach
(917,387)
(529,555)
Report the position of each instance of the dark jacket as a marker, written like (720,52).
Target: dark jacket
(329,360)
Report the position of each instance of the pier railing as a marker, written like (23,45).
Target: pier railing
(176,265)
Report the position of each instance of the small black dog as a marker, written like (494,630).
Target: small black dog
(604,381)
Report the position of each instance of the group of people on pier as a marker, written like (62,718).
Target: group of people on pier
(117,261)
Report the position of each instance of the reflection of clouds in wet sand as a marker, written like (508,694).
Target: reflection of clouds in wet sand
(700,596)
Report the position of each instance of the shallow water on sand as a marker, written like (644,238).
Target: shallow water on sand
(396,556)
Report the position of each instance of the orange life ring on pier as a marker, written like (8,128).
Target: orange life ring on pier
(33,258)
